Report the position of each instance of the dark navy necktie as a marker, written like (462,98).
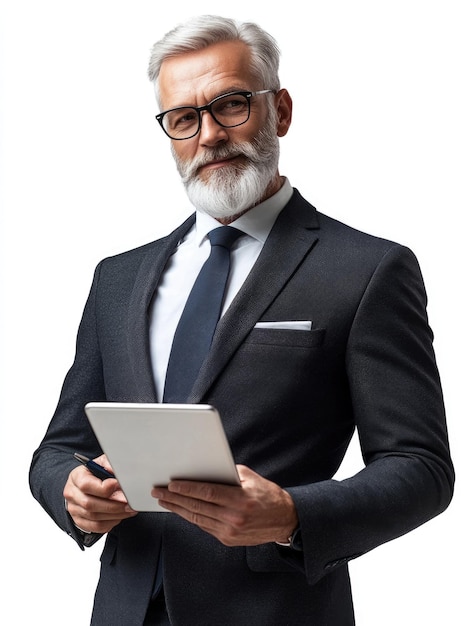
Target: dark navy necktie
(200,316)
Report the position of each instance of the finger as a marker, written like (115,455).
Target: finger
(90,495)
(90,524)
(245,473)
(104,462)
(185,506)
(86,482)
(119,496)
(220,521)
(192,506)
(95,506)
(214,520)
(222,495)
(203,515)
(98,521)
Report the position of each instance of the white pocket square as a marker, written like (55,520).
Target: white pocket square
(294,325)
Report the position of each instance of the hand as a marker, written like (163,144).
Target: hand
(257,512)
(95,505)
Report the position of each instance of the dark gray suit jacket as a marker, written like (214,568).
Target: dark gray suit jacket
(290,401)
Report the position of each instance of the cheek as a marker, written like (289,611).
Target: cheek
(247,132)
(184,156)
(183,150)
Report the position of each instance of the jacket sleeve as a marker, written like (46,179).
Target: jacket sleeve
(69,430)
(399,414)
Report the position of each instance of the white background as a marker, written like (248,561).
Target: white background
(380,139)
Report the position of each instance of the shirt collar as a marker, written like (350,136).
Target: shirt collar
(257,222)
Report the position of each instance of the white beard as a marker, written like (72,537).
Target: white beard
(234,188)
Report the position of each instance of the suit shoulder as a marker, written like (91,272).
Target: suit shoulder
(136,255)
(358,253)
(337,233)
(344,248)
(358,250)
(353,236)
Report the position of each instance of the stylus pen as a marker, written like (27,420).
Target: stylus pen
(97,470)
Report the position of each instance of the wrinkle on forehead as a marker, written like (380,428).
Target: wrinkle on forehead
(195,78)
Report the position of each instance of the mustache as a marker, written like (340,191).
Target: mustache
(188,170)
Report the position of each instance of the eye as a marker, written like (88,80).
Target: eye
(181,118)
(230,105)
(235,103)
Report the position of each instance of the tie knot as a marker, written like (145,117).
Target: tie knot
(224,236)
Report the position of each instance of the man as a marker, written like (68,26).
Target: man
(323,329)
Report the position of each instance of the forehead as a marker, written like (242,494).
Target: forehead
(197,77)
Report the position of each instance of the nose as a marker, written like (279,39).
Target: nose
(211,133)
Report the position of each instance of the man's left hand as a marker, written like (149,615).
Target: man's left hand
(259,511)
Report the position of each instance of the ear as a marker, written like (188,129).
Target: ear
(284,107)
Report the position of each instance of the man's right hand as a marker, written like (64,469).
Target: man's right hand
(95,505)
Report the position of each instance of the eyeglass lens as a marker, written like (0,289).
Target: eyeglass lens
(230,110)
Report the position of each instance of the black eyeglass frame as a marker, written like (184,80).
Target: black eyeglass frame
(208,107)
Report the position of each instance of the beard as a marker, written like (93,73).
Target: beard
(234,188)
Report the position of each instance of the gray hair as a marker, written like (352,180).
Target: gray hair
(205,30)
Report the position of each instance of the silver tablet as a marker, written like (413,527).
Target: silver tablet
(151,444)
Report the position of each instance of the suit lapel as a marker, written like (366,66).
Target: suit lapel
(292,237)
(147,279)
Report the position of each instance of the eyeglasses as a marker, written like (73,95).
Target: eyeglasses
(228,110)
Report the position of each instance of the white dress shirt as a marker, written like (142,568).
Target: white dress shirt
(186,262)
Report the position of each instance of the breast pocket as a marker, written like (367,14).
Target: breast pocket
(286,337)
